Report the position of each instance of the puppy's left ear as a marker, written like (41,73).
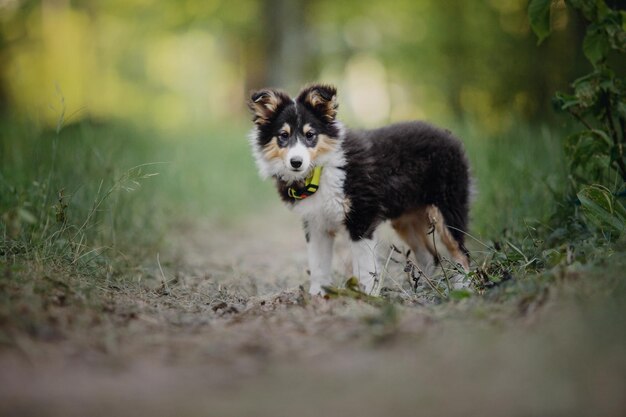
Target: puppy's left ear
(322,99)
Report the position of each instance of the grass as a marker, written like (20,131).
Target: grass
(104,197)
(117,187)
(518,175)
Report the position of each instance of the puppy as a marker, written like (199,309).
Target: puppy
(413,174)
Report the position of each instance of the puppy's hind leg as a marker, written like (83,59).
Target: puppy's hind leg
(454,247)
(413,227)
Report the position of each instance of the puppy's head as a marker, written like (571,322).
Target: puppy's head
(291,137)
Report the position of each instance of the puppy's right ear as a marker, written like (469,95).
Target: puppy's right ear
(265,104)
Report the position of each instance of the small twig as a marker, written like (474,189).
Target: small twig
(408,273)
(619,161)
(164,281)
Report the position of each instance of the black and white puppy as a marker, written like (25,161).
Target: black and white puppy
(411,173)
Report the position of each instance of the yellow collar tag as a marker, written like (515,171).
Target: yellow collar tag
(311,184)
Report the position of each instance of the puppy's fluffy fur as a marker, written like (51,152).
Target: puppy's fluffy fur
(412,173)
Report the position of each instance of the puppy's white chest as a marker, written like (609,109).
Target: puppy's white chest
(327,207)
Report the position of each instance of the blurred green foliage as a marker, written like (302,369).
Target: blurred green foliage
(598,102)
(176,64)
(90,186)
(91,189)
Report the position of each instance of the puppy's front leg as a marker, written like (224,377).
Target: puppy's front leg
(364,265)
(320,251)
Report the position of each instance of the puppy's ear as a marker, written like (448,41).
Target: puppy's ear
(265,104)
(322,99)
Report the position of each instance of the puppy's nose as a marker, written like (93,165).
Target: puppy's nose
(296,162)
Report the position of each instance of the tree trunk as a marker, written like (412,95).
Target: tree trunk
(286,50)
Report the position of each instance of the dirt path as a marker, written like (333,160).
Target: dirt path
(230,333)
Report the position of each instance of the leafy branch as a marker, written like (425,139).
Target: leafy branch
(598,99)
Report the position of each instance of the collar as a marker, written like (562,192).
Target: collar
(311,184)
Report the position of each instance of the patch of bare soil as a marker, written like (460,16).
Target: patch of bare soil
(220,326)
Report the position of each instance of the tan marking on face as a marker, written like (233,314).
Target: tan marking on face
(324,145)
(307,128)
(286,128)
(273,151)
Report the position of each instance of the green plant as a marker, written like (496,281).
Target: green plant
(61,197)
(598,99)
(602,209)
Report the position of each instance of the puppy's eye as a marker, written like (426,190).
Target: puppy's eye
(310,134)
(284,135)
